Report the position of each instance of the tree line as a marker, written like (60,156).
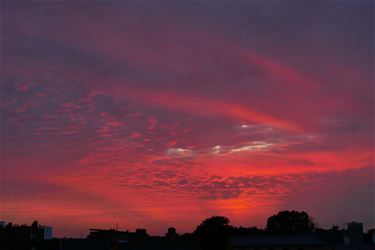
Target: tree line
(214,231)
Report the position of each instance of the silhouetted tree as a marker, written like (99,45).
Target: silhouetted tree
(9,226)
(34,224)
(237,231)
(290,222)
(213,233)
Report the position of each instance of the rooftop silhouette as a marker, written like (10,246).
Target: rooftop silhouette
(294,230)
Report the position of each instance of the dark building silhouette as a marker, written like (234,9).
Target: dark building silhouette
(111,234)
(354,233)
(214,233)
(171,232)
(354,247)
(120,238)
(25,232)
(334,236)
(278,242)
(371,236)
(85,244)
(28,237)
(141,231)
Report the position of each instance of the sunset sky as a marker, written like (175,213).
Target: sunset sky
(158,114)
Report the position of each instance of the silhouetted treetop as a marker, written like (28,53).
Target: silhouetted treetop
(35,224)
(212,224)
(213,232)
(246,231)
(290,222)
